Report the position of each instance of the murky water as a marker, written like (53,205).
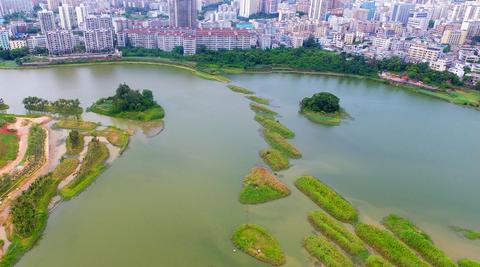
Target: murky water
(171,199)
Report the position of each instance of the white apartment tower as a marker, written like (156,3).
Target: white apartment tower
(248,8)
(318,9)
(47,21)
(67,17)
(98,33)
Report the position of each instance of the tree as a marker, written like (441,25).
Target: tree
(431,23)
(321,102)
(74,137)
(178,50)
(446,49)
(311,42)
(477,86)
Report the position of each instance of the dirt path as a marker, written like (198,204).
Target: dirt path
(7,201)
(22,126)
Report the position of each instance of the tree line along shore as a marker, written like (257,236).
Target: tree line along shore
(341,238)
(30,196)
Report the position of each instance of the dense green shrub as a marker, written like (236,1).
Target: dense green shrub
(321,102)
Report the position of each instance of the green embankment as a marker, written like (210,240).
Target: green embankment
(258,243)
(262,110)
(261,186)
(65,168)
(274,126)
(275,159)
(459,97)
(239,89)
(8,148)
(467,233)
(93,164)
(327,199)
(388,246)
(377,261)
(325,252)
(74,124)
(330,119)
(417,240)
(281,144)
(105,108)
(468,263)
(259,100)
(338,233)
(116,136)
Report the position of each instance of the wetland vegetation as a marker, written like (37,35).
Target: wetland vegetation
(262,186)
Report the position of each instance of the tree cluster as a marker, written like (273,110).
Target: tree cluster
(321,102)
(64,107)
(13,54)
(127,99)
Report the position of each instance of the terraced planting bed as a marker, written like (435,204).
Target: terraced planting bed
(327,199)
(320,248)
(388,246)
(338,233)
(417,240)
(262,186)
(275,159)
(258,243)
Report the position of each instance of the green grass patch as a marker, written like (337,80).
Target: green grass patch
(320,248)
(417,240)
(327,199)
(150,114)
(93,164)
(468,263)
(239,89)
(4,106)
(8,64)
(65,168)
(74,124)
(388,246)
(467,233)
(330,119)
(459,97)
(261,186)
(377,261)
(339,234)
(262,110)
(259,100)
(116,136)
(274,126)
(281,144)
(275,159)
(258,243)
(8,148)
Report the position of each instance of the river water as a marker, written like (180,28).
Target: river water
(171,199)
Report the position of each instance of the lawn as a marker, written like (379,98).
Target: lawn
(258,243)
(75,124)
(116,136)
(262,186)
(105,108)
(8,148)
(329,119)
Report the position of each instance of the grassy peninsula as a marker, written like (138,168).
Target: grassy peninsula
(93,164)
(323,108)
(239,89)
(259,100)
(75,124)
(417,240)
(338,233)
(262,186)
(388,246)
(262,110)
(325,252)
(275,126)
(326,198)
(467,233)
(258,243)
(116,136)
(281,144)
(129,104)
(275,159)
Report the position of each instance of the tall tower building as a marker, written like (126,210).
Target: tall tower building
(47,21)
(67,17)
(248,8)
(183,13)
(81,13)
(318,9)
(4,41)
(269,6)
(14,6)
(53,4)
(98,33)
(401,12)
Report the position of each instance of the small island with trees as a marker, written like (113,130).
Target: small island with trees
(129,104)
(323,108)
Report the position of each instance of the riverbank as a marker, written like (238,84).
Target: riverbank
(459,96)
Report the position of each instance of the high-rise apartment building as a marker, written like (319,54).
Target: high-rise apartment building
(249,7)
(46,19)
(318,9)
(183,13)
(98,33)
(60,42)
(67,17)
(81,13)
(401,12)
(15,6)
(53,4)
(4,41)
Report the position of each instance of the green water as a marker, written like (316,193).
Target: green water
(171,200)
